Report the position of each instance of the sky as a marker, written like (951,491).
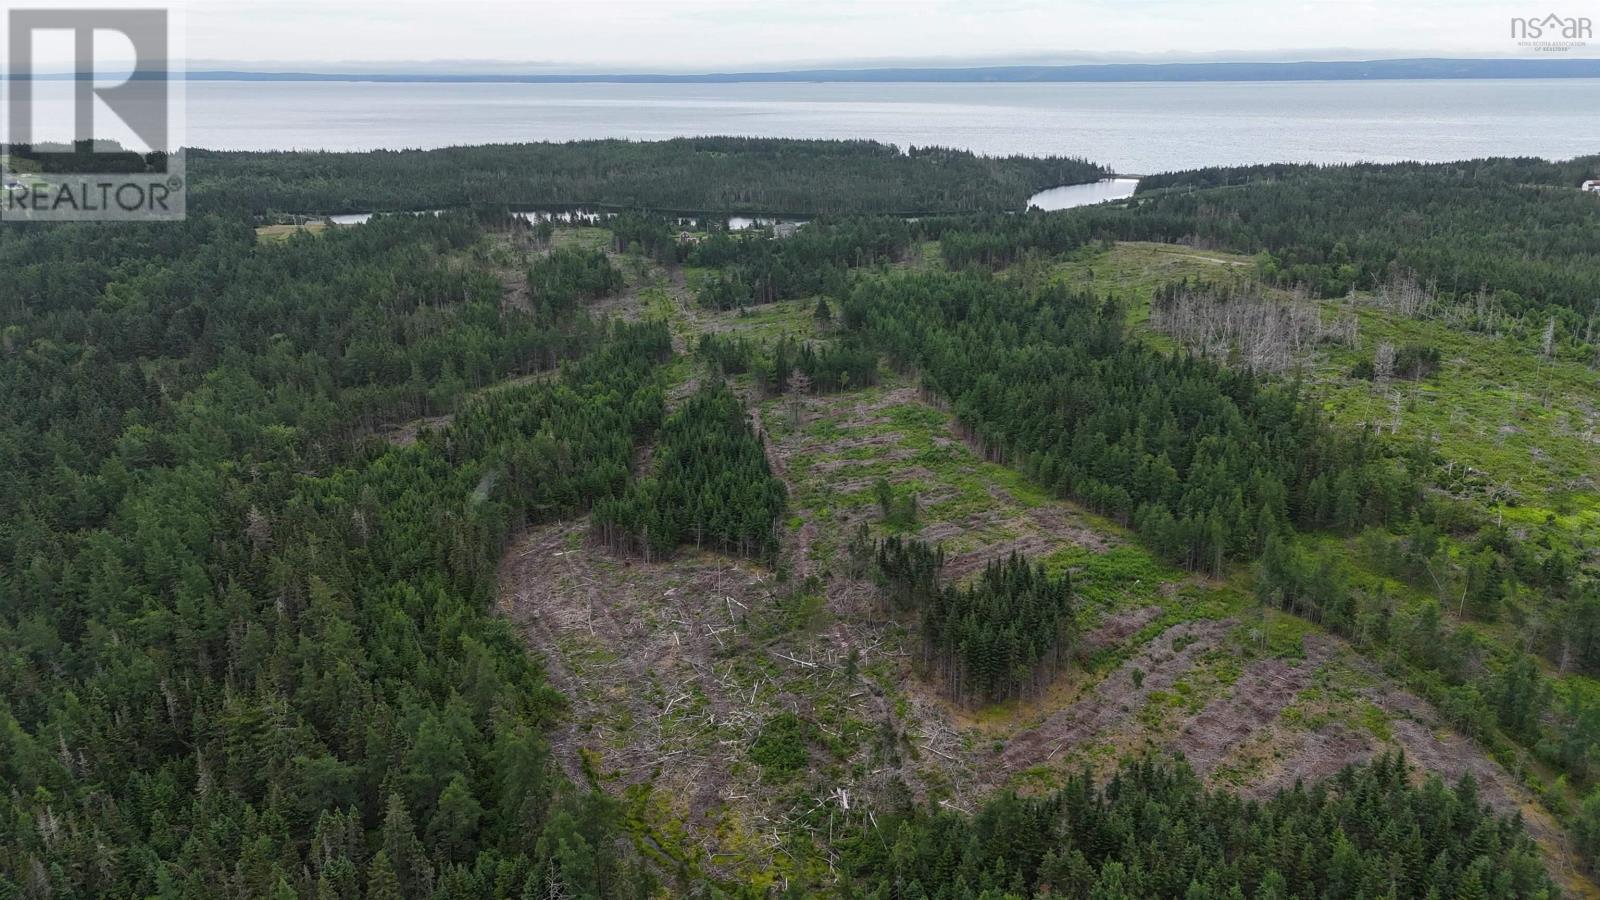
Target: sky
(725,35)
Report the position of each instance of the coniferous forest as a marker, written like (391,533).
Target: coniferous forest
(972,554)
(687,176)
(1155,831)
(710,486)
(1003,636)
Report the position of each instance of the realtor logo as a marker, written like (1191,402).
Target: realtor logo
(90,135)
(1552,33)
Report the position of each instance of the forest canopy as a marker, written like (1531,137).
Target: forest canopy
(1518,231)
(713,175)
(1154,831)
(258,491)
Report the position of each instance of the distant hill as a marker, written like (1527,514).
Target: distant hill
(1372,70)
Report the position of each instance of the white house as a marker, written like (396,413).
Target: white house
(1592,185)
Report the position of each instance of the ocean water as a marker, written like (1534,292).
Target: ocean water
(1134,128)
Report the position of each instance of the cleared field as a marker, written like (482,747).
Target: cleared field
(680,672)
(1523,429)
(272,233)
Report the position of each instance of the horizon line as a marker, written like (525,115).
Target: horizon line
(1396,68)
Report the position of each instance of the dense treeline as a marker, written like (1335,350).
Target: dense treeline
(333,335)
(1003,636)
(1506,236)
(1206,462)
(116,340)
(808,367)
(558,281)
(710,486)
(1154,831)
(1512,170)
(909,572)
(82,156)
(647,235)
(237,659)
(693,175)
(759,267)
(729,355)
(995,241)
(788,365)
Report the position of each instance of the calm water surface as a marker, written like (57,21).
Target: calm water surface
(1134,128)
(1084,194)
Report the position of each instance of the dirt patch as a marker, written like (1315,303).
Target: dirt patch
(628,643)
(1432,746)
(271,233)
(1110,705)
(845,445)
(1262,692)
(939,532)
(901,476)
(830,466)
(866,420)
(1033,545)
(1308,757)
(671,668)
(406,433)
(1271,754)
(1116,628)
(1063,522)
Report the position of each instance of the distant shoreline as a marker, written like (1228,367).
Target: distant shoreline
(1371,70)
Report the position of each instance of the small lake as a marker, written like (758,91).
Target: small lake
(1070,195)
(742,223)
(579,217)
(1065,197)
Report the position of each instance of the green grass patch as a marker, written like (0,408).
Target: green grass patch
(784,746)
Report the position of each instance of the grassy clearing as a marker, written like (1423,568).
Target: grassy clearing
(838,447)
(1132,271)
(1512,433)
(1518,431)
(727,704)
(586,237)
(768,322)
(271,234)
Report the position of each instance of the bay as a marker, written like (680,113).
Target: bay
(1135,128)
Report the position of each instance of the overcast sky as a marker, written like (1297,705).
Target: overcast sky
(710,35)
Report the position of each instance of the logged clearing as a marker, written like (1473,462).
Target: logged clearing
(675,669)
(273,233)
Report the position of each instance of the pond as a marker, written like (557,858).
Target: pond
(585,217)
(1069,195)
(364,218)
(1065,197)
